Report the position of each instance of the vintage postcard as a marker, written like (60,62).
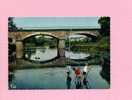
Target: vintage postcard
(59,52)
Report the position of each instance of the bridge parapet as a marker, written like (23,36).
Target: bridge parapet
(57,34)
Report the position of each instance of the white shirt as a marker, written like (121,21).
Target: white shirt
(85,69)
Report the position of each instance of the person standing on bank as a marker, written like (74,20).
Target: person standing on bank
(68,81)
(85,73)
(78,81)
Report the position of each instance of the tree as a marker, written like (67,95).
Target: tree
(105,25)
(11,25)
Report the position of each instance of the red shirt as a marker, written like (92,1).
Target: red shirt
(77,71)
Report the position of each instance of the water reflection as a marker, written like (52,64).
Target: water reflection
(44,79)
(74,55)
(41,54)
(44,54)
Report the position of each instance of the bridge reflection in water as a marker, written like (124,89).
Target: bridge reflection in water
(41,57)
(41,54)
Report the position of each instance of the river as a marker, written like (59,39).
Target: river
(54,78)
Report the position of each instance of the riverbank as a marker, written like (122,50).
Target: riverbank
(60,62)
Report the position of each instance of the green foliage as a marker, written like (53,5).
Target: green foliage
(40,41)
(105,25)
(106,67)
(12,48)
(10,40)
(11,25)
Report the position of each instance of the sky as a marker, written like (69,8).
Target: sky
(32,22)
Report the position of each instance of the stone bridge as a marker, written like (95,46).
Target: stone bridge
(60,34)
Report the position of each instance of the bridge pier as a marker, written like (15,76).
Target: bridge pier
(19,49)
(61,48)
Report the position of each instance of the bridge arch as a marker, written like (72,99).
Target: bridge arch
(39,33)
(20,43)
(90,34)
(35,57)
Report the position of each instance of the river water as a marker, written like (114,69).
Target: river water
(54,78)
